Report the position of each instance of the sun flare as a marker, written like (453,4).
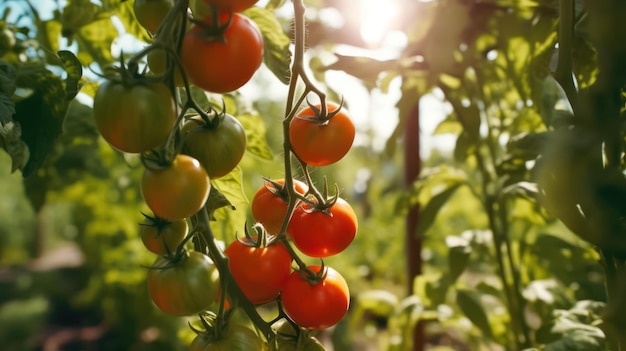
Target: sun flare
(376,18)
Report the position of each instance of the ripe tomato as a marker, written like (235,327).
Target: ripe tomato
(269,205)
(222,66)
(134,117)
(157,62)
(321,144)
(316,306)
(150,13)
(161,236)
(232,5)
(318,234)
(259,271)
(218,149)
(177,191)
(186,287)
(236,338)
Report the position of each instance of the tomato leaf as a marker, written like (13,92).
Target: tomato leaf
(430,211)
(276,52)
(574,329)
(458,257)
(41,114)
(95,41)
(7,88)
(378,302)
(469,303)
(74,71)
(255,133)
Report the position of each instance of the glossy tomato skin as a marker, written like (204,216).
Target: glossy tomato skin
(237,338)
(260,272)
(318,234)
(219,149)
(163,237)
(150,13)
(177,191)
(222,66)
(135,117)
(232,5)
(321,144)
(316,306)
(269,208)
(183,288)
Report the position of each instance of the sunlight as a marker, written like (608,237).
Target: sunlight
(376,18)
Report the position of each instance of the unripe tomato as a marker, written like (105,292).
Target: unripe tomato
(316,306)
(321,144)
(186,287)
(218,149)
(161,236)
(151,13)
(236,338)
(269,205)
(222,65)
(260,272)
(134,117)
(177,191)
(318,234)
(157,62)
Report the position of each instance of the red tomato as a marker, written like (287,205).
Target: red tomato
(269,205)
(318,234)
(232,5)
(260,272)
(222,65)
(177,191)
(321,144)
(316,306)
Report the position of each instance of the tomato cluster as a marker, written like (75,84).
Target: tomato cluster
(184,147)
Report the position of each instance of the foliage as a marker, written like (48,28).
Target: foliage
(514,222)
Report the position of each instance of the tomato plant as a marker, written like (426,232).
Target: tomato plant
(219,147)
(232,5)
(134,117)
(236,338)
(222,63)
(269,205)
(176,191)
(287,339)
(161,236)
(260,271)
(150,13)
(321,142)
(184,287)
(316,305)
(320,234)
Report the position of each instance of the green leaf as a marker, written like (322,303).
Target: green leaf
(378,302)
(458,256)
(41,114)
(469,303)
(429,212)
(95,41)
(11,142)
(274,4)
(74,73)
(230,186)
(255,134)
(276,52)
(364,68)
(7,89)
(525,190)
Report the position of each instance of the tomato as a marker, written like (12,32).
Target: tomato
(161,236)
(269,205)
(222,65)
(232,5)
(318,234)
(259,271)
(177,191)
(236,338)
(321,144)
(219,149)
(287,340)
(150,13)
(186,287)
(316,306)
(157,62)
(134,117)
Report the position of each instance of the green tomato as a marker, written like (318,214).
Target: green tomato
(236,338)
